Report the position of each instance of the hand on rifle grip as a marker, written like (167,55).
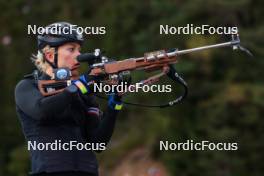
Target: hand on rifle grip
(114,102)
(115,99)
(84,84)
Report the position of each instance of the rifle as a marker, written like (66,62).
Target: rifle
(111,72)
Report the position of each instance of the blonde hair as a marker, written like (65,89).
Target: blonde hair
(39,59)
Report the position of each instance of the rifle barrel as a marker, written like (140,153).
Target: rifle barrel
(186,51)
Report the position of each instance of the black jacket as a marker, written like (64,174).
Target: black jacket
(66,117)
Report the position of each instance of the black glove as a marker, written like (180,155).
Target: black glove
(115,102)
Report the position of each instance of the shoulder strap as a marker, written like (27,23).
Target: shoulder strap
(34,75)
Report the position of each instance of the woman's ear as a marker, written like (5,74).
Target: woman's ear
(49,56)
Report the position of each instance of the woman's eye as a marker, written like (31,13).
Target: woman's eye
(71,49)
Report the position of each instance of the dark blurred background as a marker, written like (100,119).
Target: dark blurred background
(225,103)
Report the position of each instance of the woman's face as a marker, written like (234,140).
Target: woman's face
(67,57)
